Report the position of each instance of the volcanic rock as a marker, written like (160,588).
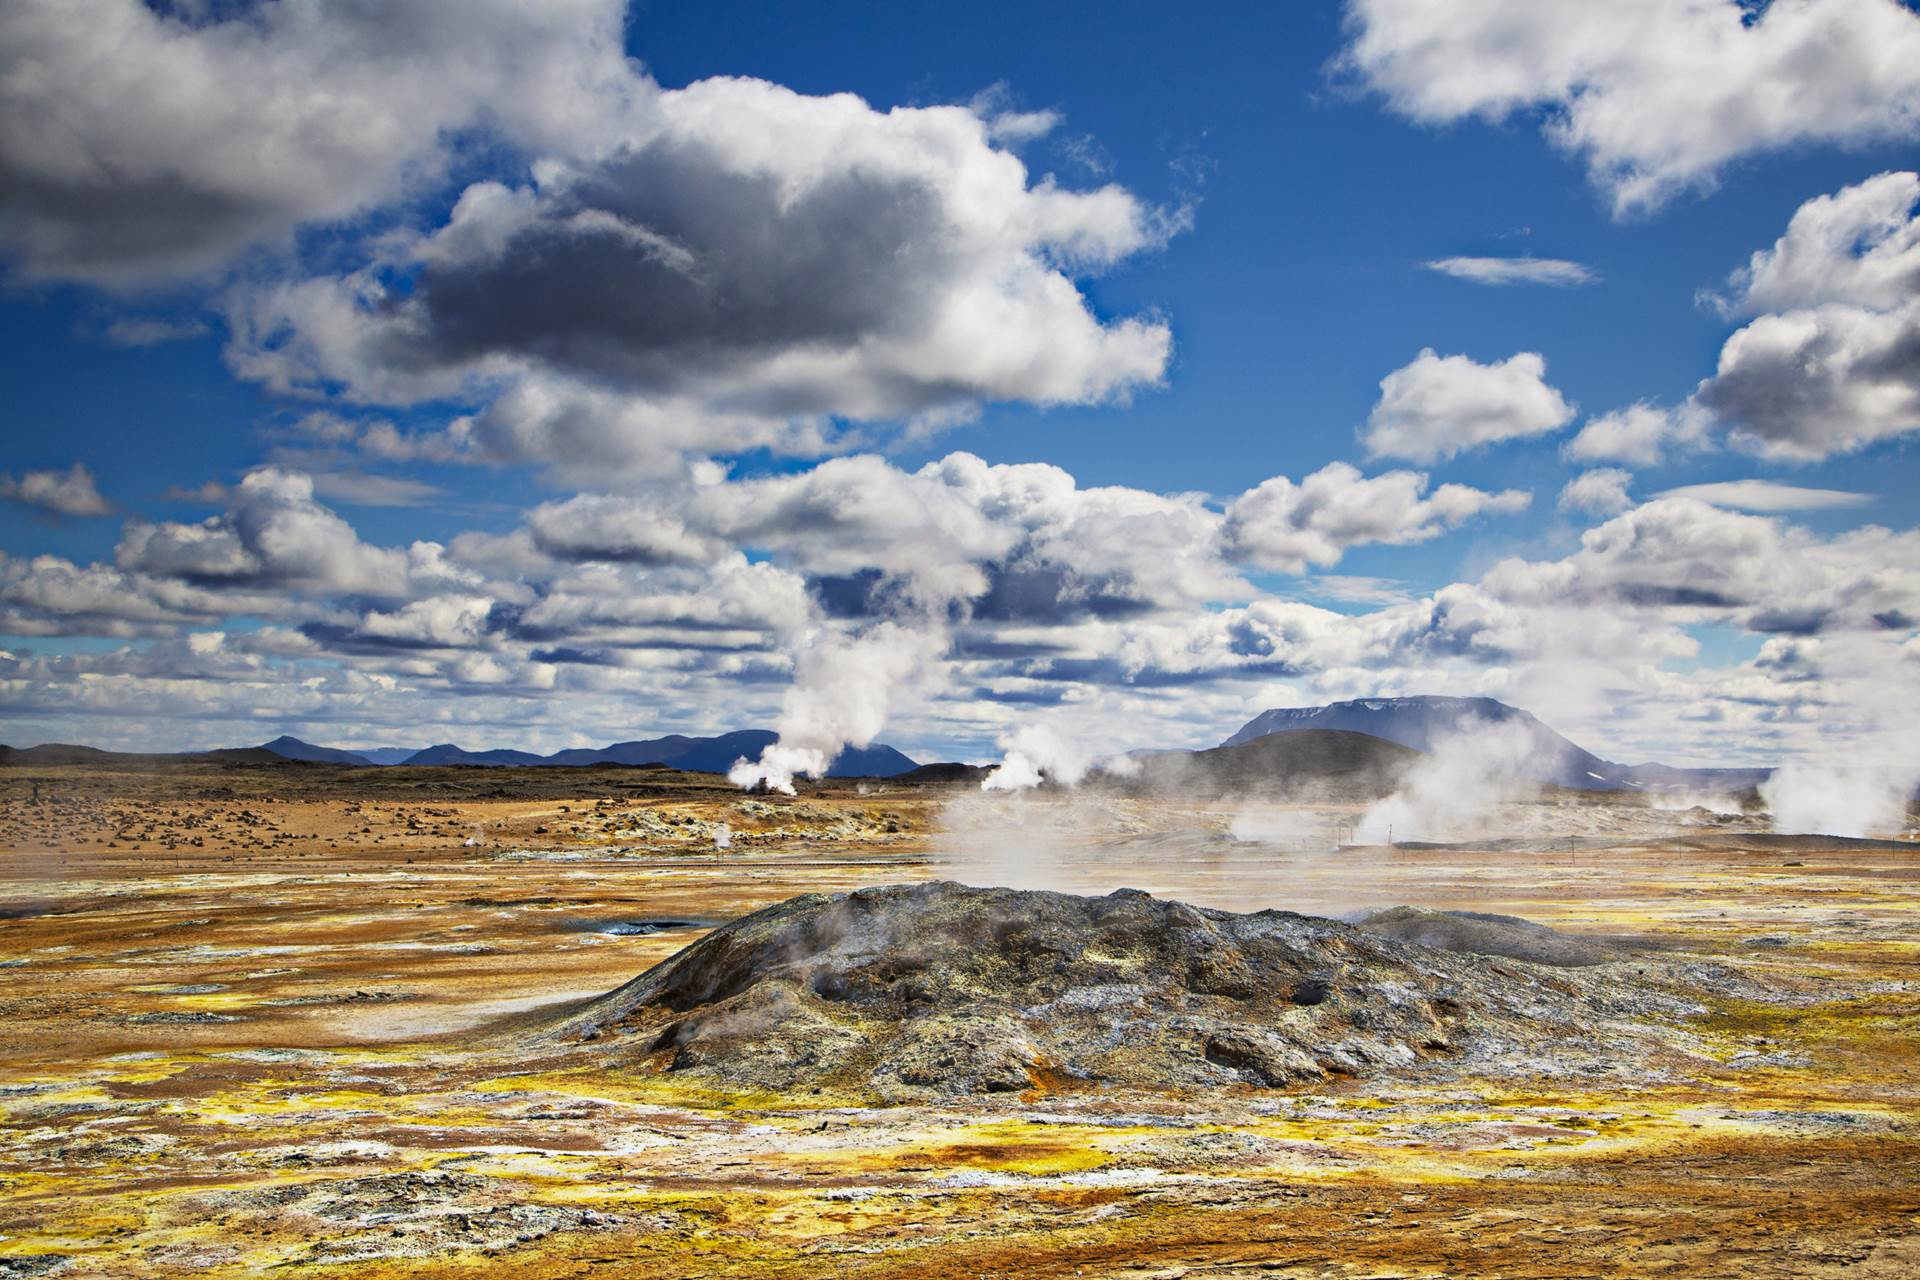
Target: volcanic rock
(911,991)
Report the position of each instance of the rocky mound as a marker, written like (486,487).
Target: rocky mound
(913,990)
(1489,935)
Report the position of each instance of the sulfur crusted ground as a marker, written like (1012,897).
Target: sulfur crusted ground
(311,1061)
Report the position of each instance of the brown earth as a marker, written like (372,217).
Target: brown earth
(290,1047)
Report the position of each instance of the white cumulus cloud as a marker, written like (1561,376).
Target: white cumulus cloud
(1289,527)
(1642,434)
(1439,406)
(1657,96)
(1602,491)
(1860,245)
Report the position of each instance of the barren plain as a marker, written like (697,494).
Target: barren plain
(276,1020)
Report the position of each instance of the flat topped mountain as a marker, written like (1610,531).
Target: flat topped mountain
(1306,764)
(915,990)
(1428,722)
(1420,722)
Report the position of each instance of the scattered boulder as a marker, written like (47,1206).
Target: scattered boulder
(181,1018)
(410,1214)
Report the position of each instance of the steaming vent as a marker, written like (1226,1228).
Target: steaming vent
(911,991)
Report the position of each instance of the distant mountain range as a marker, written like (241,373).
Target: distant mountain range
(59,753)
(383,755)
(294,749)
(675,751)
(1427,722)
(1354,746)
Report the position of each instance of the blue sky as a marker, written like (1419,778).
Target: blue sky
(1277,179)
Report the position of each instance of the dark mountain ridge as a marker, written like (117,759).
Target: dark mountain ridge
(67,753)
(290,748)
(1306,764)
(676,751)
(1426,722)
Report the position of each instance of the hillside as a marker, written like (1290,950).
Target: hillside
(66,753)
(1318,764)
(1427,722)
(387,755)
(290,748)
(676,751)
(447,753)
(945,773)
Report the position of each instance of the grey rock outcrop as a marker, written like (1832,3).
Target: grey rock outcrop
(938,989)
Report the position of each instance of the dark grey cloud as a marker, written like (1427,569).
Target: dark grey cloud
(740,269)
(1790,621)
(1116,672)
(1664,595)
(667,268)
(1020,697)
(144,142)
(974,645)
(1044,595)
(640,530)
(1051,594)
(1812,383)
(338,637)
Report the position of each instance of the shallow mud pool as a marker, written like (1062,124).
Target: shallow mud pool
(296,1055)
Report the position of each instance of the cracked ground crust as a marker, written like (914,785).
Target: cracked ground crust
(348,1122)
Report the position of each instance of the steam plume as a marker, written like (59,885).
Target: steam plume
(1447,795)
(839,698)
(1858,800)
(1037,753)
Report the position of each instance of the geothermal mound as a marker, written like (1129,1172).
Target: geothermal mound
(915,990)
(1483,934)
